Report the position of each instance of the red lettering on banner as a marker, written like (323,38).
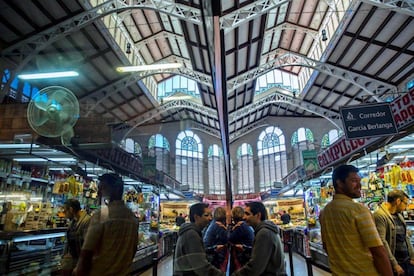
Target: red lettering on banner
(339,150)
(403,109)
(336,151)
(322,160)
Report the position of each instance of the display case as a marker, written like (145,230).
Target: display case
(147,251)
(299,241)
(318,254)
(31,252)
(145,205)
(410,230)
(167,242)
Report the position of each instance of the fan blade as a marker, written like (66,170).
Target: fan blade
(50,97)
(41,101)
(66,106)
(67,136)
(41,118)
(59,96)
(67,117)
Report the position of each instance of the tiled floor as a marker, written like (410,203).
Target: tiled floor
(299,264)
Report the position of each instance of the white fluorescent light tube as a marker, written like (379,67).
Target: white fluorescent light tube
(30,159)
(18,146)
(93,169)
(402,146)
(403,156)
(148,67)
(49,75)
(44,160)
(63,159)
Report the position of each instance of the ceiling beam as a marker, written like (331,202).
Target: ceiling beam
(173,105)
(165,108)
(371,86)
(234,136)
(248,12)
(289,26)
(277,97)
(163,35)
(204,128)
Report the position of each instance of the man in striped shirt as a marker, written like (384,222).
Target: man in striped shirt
(349,235)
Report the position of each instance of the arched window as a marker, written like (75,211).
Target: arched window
(131,146)
(189,161)
(176,85)
(330,138)
(159,148)
(271,150)
(216,174)
(137,149)
(302,139)
(245,183)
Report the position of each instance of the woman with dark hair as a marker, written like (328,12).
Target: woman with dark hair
(240,238)
(215,240)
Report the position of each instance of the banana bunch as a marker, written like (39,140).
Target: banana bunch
(75,186)
(395,175)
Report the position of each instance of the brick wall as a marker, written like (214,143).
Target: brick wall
(13,121)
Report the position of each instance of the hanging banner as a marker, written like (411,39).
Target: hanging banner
(368,120)
(310,161)
(403,111)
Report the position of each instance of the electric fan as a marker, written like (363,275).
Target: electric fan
(53,112)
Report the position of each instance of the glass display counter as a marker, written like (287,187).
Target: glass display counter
(167,243)
(145,206)
(318,254)
(410,229)
(31,252)
(309,248)
(299,240)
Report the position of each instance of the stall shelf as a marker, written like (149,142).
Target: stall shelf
(167,243)
(318,254)
(31,252)
(410,229)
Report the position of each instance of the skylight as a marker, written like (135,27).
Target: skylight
(175,85)
(277,78)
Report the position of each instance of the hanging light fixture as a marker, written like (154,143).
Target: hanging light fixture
(324,37)
(149,67)
(128,48)
(48,75)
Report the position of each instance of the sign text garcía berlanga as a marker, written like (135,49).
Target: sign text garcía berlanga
(368,120)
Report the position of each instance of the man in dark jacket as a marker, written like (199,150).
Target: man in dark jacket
(285,217)
(179,220)
(190,256)
(392,229)
(267,254)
